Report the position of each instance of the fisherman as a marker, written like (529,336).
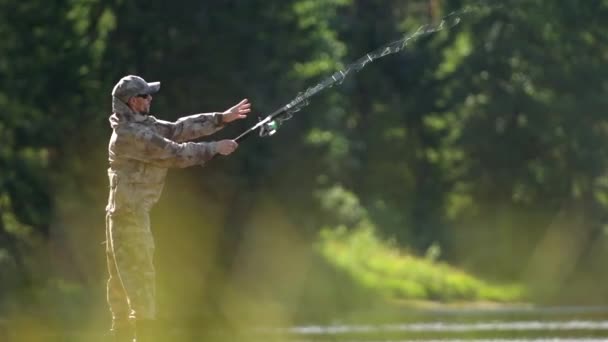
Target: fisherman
(141,150)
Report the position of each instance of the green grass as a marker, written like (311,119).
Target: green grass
(382,268)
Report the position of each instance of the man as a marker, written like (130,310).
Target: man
(140,151)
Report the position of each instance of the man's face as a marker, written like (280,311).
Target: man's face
(141,103)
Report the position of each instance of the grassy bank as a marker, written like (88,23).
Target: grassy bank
(381,268)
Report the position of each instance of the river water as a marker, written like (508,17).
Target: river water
(578,324)
(512,324)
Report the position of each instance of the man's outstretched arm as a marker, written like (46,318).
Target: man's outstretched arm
(149,147)
(199,125)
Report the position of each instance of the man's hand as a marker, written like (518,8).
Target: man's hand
(239,111)
(225,147)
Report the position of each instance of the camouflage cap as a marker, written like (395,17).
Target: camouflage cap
(132,85)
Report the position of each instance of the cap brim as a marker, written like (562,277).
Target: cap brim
(153,87)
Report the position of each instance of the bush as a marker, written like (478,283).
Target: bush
(384,269)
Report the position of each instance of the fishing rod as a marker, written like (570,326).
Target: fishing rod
(270,124)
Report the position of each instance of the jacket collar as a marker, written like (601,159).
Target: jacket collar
(121,109)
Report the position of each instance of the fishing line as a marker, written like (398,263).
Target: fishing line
(270,124)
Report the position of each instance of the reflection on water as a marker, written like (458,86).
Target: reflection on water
(452,327)
(558,339)
(577,324)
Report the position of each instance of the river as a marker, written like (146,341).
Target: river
(577,324)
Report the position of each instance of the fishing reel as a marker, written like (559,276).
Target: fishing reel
(269,128)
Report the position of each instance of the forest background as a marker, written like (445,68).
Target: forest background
(470,167)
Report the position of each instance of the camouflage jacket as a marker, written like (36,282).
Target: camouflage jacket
(142,148)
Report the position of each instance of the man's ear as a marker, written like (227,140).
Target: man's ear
(131,102)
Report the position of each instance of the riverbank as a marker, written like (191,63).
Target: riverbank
(382,269)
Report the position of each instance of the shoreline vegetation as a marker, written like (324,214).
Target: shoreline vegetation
(383,270)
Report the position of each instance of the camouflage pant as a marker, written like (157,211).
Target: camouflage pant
(129,252)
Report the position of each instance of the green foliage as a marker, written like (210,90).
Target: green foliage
(382,268)
(487,140)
